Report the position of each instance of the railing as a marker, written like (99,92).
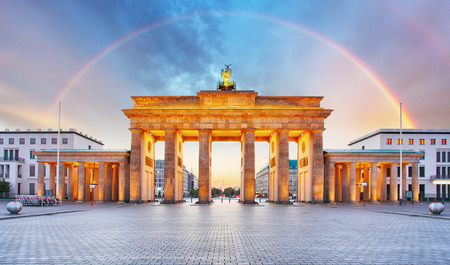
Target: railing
(18,159)
(439,177)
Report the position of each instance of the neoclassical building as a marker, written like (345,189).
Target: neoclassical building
(227,114)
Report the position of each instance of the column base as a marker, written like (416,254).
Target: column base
(374,202)
(121,202)
(204,202)
(168,202)
(77,202)
(249,202)
(284,202)
(354,203)
(332,203)
(99,202)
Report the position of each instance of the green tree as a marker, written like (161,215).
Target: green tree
(229,192)
(194,193)
(5,186)
(216,192)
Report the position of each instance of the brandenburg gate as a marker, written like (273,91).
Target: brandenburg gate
(226,114)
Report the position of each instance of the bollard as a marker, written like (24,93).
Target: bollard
(229,199)
(221,200)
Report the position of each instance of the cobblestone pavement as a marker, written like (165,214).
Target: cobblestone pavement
(225,233)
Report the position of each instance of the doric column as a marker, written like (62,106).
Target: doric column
(366,189)
(353,182)
(415,181)
(403,191)
(52,183)
(173,167)
(331,183)
(122,168)
(393,183)
(115,182)
(345,180)
(101,182)
(383,183)
(248,166)
(136,165)
(108,194)
(61,182)
(204,168)
(81,181)
(279,166)
(317,166)
(41,172)
(338,185)
(373,182)
(70,182)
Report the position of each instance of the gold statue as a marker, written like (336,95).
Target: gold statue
(226,85)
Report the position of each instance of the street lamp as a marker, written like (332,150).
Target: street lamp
(92,187)
(363,184)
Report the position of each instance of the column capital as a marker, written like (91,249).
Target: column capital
(135,130)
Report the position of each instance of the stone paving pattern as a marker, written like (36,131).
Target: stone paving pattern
(225,233)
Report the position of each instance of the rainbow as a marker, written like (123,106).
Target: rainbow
(368,72)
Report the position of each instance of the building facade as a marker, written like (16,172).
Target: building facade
(434,166)
(262,179)
(190,180)
(18,164)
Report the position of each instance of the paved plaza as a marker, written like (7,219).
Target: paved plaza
(224,233)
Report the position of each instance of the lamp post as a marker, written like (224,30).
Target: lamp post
(363,184)
(92,187)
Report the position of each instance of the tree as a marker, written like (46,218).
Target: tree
(194,193)
(5,186)
(216,192)
(229,192)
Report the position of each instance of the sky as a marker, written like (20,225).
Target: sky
(363,57)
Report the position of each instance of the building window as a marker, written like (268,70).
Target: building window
(410,141)
(11,140)
(32,171)
(398,172)
(32,156)
(389,141)
(444,156)
(398,141)
(438,171)
(432,141)
(43,141)
(409,172)
(89,147)
(22,141)
(422,157)
(1,140)
(438,156)
(54,141)
(32,140)
(65,140)
(422,172)
(444,141)
(421,141)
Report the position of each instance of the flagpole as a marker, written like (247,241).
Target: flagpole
(57,153)
(401,156)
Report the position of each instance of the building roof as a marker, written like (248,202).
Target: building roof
(397,131)
(50,131)
(84,151)
(367,151)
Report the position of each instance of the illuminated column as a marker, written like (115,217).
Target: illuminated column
(61,182)
(383,185)
(101,182)
(373,182)
(173,167)
(393,183)
(403,180)
(41,171)
(88,180)
(122,168)
(338,186)
(136,165)
(81,181)
(345,180)
(368,188)
(415,181)
(248,167)
(108,194)
(331,183)
(204,168)
(148,180)
(317,166)
(70,184)
(52,184)
(353,182)
(114,182)
(279,166)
